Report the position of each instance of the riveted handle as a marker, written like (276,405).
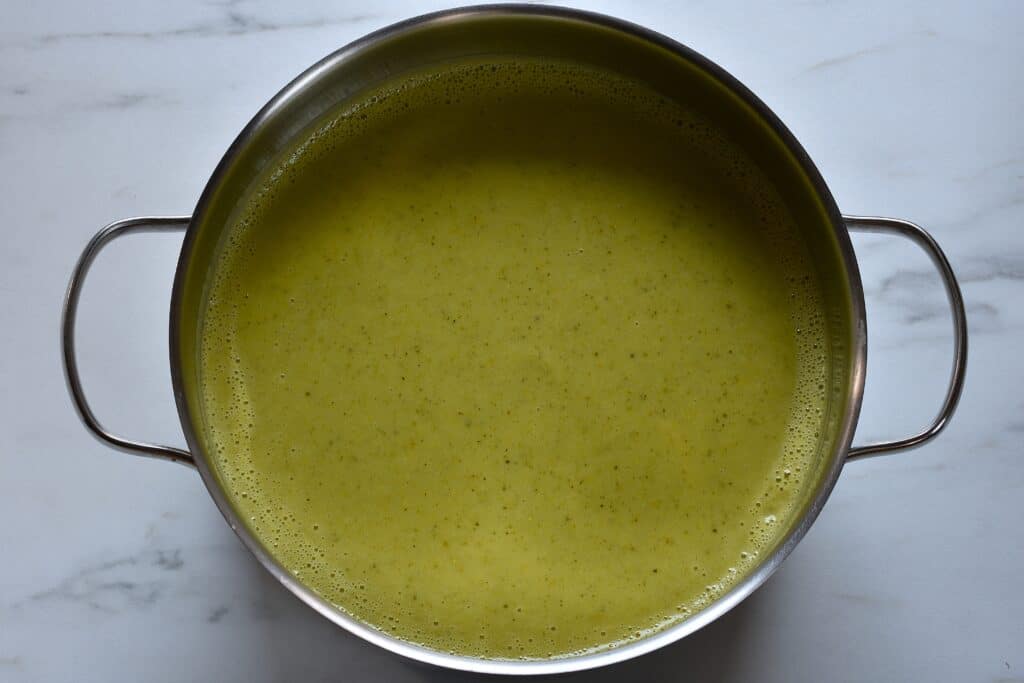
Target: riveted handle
(920,236)
(100,240)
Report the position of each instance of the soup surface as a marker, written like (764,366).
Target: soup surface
(517,360)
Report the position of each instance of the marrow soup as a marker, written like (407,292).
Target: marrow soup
(515,360)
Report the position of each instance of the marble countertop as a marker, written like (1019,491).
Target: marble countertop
(121,569)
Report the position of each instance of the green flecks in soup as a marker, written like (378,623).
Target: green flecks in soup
(515,361)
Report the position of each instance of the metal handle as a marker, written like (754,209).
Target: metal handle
(921,237)
(104,236)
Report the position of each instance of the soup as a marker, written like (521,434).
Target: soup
(515,360)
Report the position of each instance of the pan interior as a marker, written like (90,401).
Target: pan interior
(516,353)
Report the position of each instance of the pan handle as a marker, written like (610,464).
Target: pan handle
(920,236)
(101,239)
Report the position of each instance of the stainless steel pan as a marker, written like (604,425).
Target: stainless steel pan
(545,32)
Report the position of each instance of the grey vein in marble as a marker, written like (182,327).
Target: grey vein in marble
(131,100)
(11,662)
(865,51)
(988,169)
(217,614)
(979,269)
(114,585)
(234,24)
(867,601)
(983,214)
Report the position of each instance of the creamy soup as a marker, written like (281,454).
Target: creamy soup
(517,360)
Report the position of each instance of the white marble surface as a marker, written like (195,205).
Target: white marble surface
(120,569)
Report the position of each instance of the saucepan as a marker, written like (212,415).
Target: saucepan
(544,32)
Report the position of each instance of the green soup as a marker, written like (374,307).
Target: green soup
(517,360)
